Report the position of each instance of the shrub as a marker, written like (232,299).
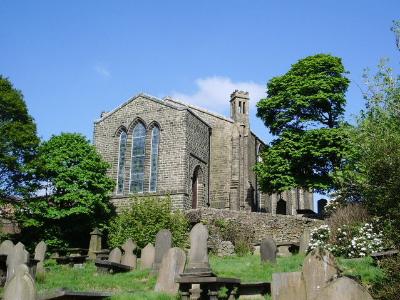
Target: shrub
(388,289)
(348,241)
(239,234)
(144,218)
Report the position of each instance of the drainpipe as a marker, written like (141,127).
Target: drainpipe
(209,162)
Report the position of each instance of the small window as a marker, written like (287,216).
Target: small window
(121,162)
(138,155)
(155,141)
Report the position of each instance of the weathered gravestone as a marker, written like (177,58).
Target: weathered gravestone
(147,257)
(172,265)
(115,256)
(17,257)
(344,288)
(6,247)
(40,253)
(198,263)
(304,241)
(95,243)
(288,286)
(268,250)
(21,286)
(319,268)
(128,258)
(163,244)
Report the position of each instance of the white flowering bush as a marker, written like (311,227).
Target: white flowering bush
(348,241)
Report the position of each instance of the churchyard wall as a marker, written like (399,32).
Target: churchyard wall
(281,228)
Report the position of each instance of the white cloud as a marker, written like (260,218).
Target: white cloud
(103,71)
(213,93)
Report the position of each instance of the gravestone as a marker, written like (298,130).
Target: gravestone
(163,244)
(17,257)
(95,243)
(344,288)
(268,250)
(304,241)
(172,265)
(321,206)
(128,258)
(115,256)
(319,268)
(147,257)
(198,263)
(21,286)
(40,253)
(6,247)
(288,286)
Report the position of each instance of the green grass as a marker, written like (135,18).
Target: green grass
(140,284)
(249,269)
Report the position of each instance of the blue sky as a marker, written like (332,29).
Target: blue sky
(74,59)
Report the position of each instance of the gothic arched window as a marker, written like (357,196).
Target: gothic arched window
(138,154)
(121,162)
(155,141)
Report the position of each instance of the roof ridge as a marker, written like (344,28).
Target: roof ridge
(198,108)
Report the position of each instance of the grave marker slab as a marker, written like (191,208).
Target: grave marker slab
(128,258)
(40,254)
(21,286)
(268,250)
(288,286)
(115,256)
(198,255)
(17,257)
(95,243)
(319,268)
(304,241)
(344,288)
(172,265)
(163,244)
(147,257)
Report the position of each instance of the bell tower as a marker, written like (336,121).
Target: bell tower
(240,107)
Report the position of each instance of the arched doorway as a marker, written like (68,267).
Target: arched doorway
(197,188)
(281,207)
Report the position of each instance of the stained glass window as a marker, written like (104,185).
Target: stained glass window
(155,140)
(138,154)
(121,163)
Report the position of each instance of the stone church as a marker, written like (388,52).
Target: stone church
(162,147)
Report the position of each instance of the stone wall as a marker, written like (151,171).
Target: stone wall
(280,227)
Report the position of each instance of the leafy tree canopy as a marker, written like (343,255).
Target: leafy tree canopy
(73,179)
(304,109)
(311,93)
(18,139)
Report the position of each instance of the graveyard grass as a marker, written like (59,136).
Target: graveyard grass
(139,284)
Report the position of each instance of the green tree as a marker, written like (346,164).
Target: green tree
(304,109)
(76,192)
(18,140)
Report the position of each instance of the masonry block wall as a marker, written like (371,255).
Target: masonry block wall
(280,227)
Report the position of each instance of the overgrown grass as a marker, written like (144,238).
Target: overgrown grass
(249,268)
(139,284)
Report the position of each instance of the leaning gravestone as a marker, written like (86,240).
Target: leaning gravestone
(40,253)
(6,247)
(115,256)
(319,268)
(128,258)
(268,250)
(344,288)
(147,257)
(198,263)
(304,241)
(21,286)
(17,257)
(163,244)
(95,243)
(288,286)
(172,265)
